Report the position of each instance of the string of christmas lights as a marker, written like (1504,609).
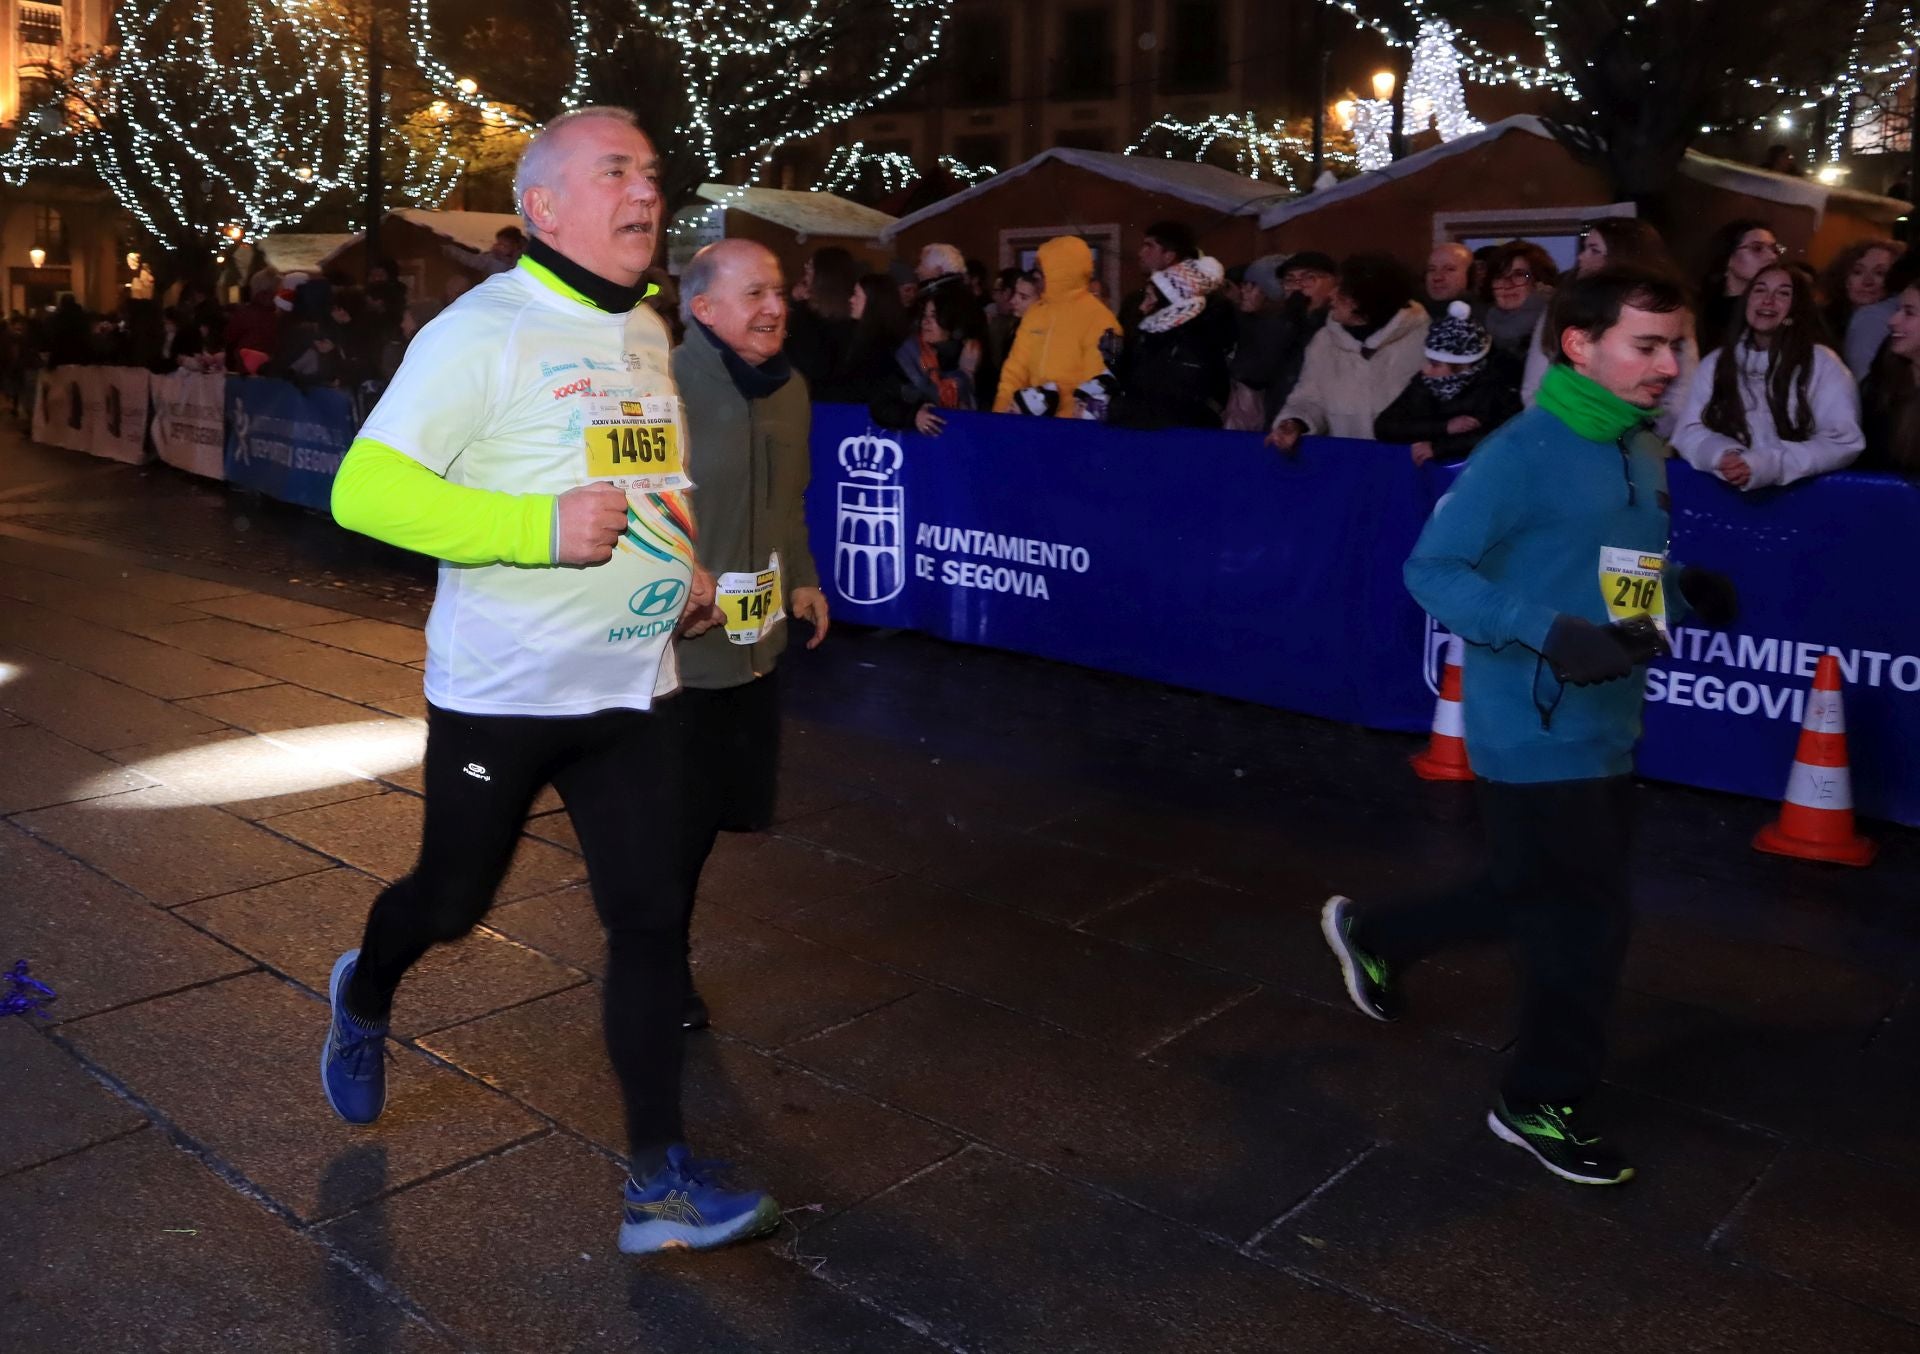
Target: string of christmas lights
(760,75)
(850,165)
(1260,150)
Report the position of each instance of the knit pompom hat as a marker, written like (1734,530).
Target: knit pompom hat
(1458,339)
(1186,285)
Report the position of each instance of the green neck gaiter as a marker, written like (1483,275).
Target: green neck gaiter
(1588,407)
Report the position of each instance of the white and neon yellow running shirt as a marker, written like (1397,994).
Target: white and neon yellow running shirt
(494,396)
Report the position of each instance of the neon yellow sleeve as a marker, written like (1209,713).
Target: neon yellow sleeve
(391,497)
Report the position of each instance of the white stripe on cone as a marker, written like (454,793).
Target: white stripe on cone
(1825,712)
(1820,787)
(1449,717)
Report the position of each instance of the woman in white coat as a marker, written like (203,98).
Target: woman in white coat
(1374,342)
(1773,404)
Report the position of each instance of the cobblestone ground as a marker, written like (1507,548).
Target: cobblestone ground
(1020,1009)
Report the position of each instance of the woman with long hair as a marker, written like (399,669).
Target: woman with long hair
(1735,255)
(820,324)
(937,363)
(1772,404)
(879,324)
(1890,396)
(1857,277)
(1611,241)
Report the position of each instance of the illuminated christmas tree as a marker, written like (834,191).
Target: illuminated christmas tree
(209,120)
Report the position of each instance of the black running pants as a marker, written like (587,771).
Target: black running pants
(624,778)
(1555,887)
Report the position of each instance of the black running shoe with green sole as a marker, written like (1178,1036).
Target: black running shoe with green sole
(1558,1140)
(1369,978)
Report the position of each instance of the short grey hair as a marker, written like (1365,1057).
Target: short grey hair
(697,279)
(540,160)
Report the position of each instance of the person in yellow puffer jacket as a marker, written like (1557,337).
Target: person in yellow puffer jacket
(1060,337)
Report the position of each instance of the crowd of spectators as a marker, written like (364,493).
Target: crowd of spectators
(316,329)
(1786,375)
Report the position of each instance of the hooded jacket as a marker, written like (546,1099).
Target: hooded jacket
(1345,382)
(1060,337)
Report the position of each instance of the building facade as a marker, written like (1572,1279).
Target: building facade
(1015,77)
(80,236)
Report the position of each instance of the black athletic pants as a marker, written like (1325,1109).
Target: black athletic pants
(732,736)
(1556,888)
(624,777)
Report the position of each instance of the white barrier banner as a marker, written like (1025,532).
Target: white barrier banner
(60,410)
(98,410)
(190,421)
(117,412)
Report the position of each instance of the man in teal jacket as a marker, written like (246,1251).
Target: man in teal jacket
(1549,557)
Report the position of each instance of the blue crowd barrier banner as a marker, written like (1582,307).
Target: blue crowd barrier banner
(1199,559)
(1205,560)
(286,442)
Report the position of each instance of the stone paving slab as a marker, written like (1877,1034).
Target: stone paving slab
(1045,878)
(1170,1140)
(562,1285)
(381,835)
(1099,989)
(51,1107)
(764,985)
(249,776)
(95,943)
(236,1066)
(1525,1273)
(106,570)
(283,708)
(43,769)
(157,669)
(110,605)
(302,662)
(89,710)
(376,639)
(301,926)
(1846,1226)
(991,1254)
(134,1247)
(1277,941)
(805,1140)
(166,846)
(270,612)
(771,877)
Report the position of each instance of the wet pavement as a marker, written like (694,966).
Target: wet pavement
(1021,1009)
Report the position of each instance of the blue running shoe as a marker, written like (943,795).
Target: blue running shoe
(681,1208)
(353,1063)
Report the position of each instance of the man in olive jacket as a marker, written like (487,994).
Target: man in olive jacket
(748,421)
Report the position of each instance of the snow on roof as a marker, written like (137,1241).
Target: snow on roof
(470,230)
(1413,164)
(804,213)
(1710,169)
(1788,188)
(1204,185)
(292,253)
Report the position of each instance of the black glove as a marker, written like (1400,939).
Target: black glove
(1583,654)
(1711,595)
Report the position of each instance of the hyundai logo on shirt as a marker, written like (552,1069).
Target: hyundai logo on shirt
(657,598)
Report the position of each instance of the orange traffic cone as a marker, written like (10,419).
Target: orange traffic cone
(1816,817)
(1446,754)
